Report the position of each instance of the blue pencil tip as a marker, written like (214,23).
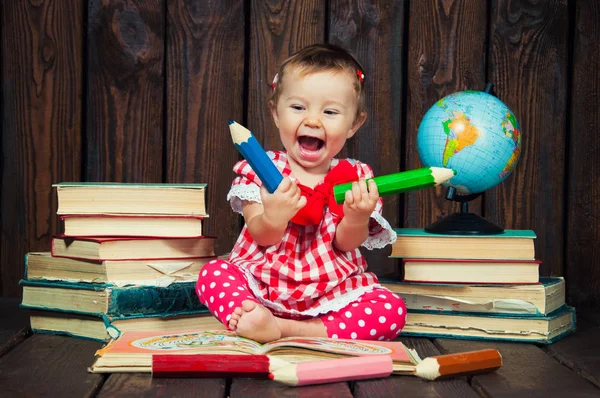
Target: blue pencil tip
(231,122)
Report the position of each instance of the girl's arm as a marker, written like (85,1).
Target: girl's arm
(268,221)
(264,231)
(350,235)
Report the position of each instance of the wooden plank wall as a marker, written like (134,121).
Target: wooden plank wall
(141,91)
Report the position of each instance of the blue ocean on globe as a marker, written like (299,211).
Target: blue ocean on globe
(475,134)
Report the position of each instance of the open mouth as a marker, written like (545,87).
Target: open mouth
(310,144)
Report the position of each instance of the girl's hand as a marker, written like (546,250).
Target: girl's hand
(360,202)
(283,204)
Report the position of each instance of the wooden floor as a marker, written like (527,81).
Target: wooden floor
(33,365)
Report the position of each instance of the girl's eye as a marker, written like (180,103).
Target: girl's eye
(331,112)
(297,107)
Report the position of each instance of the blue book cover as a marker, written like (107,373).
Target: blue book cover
(110,300)
(100,327)
(508,233)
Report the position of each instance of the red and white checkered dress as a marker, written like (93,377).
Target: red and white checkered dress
(304,275)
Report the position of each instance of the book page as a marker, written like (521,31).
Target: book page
(340,347)
(193,342)
(446,303)
(227,342)
(208,341)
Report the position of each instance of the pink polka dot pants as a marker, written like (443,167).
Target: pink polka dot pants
(222,287)
(375,315)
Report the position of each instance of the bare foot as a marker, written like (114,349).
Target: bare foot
(235,318)
(257,323)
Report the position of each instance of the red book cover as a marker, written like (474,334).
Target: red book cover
(101,239)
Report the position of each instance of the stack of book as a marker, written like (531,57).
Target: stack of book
(128,259)
(480,287)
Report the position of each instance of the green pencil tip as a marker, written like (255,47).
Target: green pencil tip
(454,171)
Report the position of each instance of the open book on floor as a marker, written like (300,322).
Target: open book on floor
(132,352)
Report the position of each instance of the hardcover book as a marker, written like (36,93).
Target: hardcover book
(471,271)
(42,266)
(105,328)
(87,298)
(128,198)
(509,245)
(131,225)
(131,248)
(535,299)
(132,352)
(532,329)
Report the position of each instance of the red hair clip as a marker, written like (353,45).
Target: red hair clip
(360,75)
(275,80)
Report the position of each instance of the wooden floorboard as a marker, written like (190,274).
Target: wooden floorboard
(52,366)
(527,371)
(268,389)
(143,385)
(47,365)
(580,352)
(14,323)
(411,386)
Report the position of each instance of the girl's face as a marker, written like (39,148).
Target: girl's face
(316,114)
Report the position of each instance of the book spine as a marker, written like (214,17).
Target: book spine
(69,334)
(26,260)
(555,296)
(478,338)
(137,300)
(449,335)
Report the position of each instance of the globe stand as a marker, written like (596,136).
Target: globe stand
(463,223)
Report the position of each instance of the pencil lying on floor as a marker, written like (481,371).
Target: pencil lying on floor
(376,366)
(405,181)
(256,156)
(212,365)
(462,363)
(334,370)
(319,372)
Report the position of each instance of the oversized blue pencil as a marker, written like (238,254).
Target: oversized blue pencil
(253,152)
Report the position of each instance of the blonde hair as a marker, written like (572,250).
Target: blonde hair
(321,58)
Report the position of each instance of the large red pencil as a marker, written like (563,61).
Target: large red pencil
(334,370)
(212,365)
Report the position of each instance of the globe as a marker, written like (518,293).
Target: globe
(475,134)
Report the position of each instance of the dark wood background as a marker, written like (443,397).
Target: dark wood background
(141,91)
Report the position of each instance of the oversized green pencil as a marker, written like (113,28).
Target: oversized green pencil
(404,181)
